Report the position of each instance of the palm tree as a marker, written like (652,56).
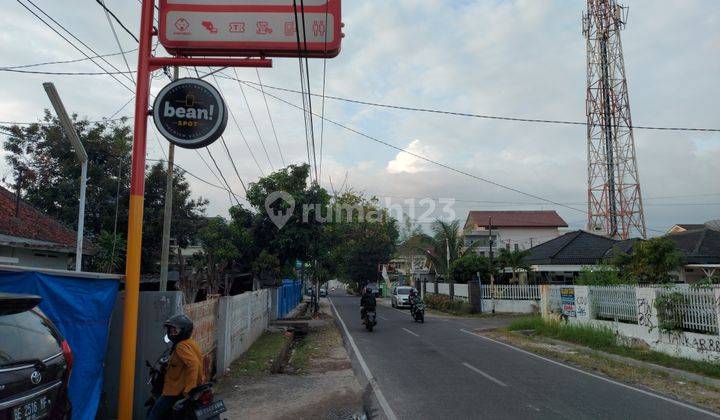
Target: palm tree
(515,260)
(447,238)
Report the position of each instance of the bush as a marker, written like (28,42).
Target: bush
(669,317)
(603,276)
(444,304)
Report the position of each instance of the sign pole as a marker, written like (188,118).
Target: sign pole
(135,216)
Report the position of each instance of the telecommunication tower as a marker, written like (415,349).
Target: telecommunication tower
(614,199)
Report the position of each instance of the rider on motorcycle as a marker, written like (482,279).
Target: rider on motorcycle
(185,367)
(412,299)
(367,302)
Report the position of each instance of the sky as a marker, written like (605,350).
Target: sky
(513,58)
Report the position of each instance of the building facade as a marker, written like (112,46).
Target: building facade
(512,230)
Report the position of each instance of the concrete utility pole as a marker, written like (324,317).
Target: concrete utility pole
(167,214)
(82,157)
(492,275)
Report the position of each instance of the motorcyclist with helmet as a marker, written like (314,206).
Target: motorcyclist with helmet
(367,302)
(413,299)
(184,370)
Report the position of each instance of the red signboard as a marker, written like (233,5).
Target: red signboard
(263,28)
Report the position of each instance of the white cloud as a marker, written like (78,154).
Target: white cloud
(406,163)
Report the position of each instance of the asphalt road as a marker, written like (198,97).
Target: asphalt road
(441,370)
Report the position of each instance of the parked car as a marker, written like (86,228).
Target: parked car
(323,291)
(35,362)
(375,289)
(399,297)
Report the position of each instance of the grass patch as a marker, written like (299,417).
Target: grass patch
(314,346)
(257,360)
(603,339)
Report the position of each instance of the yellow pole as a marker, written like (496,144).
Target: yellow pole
(135,217)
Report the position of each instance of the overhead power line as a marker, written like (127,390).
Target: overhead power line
(466,114)
(434,162)
(122,25)
(70,42)
(77,60)
(252,118)
(272,123)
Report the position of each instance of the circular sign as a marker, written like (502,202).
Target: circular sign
(190,113)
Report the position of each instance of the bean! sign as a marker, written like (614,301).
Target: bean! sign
(190,113)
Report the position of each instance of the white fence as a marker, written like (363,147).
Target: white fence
(614,303)
(514,298)
(511,291)
(697,309)
(243,318)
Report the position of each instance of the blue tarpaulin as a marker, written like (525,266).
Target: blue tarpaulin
(80,308)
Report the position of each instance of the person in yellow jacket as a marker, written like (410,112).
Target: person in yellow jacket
(185,367)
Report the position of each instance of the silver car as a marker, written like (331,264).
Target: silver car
(399,298)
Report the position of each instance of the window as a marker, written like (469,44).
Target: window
(507,246)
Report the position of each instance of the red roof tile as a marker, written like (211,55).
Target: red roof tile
(516,219)
(31,223)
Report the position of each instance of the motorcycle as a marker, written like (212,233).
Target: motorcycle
(418,312)
(369,320)
(200,404)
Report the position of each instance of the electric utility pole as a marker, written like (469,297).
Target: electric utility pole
(492,274)
(82,156)
(167,214)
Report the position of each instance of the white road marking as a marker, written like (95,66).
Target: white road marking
(373,382)
(620,384)
(406,330)
(485,375)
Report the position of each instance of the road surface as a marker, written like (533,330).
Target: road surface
(441,370)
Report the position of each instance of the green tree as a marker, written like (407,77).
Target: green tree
(650,261)
(110,253)
(604,275)
(467,267)
(188,214)
(51,172)
(51,176)
(363,235)
(447,236)
(515,261)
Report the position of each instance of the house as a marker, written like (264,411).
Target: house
(31,238)
(560,260)
(513,230)
(701,246)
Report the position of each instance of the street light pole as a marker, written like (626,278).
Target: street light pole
(82,156)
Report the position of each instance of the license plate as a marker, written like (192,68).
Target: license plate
(36,409)
(213,409)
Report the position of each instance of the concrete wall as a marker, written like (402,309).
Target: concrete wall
(243,319)
(37,258)
(155,308)
(681,343)
(511,306)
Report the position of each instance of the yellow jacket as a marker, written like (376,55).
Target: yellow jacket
(185,369)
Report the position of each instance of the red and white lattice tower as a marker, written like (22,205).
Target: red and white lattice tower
(614,200)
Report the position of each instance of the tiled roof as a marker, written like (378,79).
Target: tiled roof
(573,248)
(535,218)
(32,224)
(699,246)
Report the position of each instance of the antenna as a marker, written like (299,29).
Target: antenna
(614,198)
